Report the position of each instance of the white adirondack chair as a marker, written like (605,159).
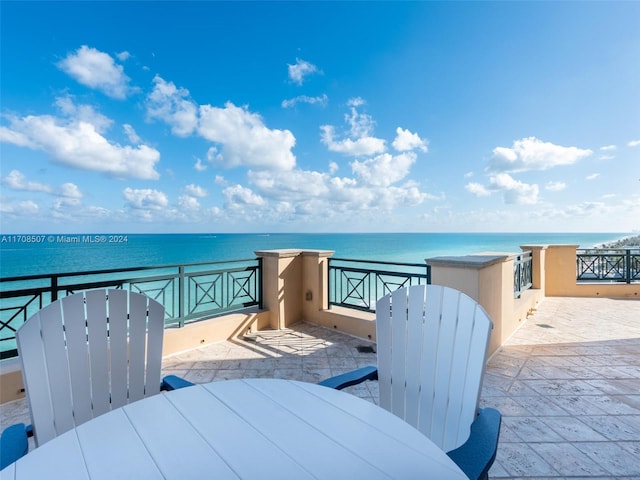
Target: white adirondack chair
(432,344)
(89,353)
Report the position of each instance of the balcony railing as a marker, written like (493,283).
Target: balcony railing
(188,291)
(522,273)
(608,265)
(359,283)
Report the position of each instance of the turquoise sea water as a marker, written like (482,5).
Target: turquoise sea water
(44,254)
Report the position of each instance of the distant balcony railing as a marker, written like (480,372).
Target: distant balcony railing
(522,273)
(188,292)
(359,283)
(608,265)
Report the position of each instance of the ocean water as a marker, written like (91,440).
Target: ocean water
(44,254)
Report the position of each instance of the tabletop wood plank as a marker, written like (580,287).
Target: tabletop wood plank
(112,449)
(320,453)
(176,447)
(247,451)
(363,429)
(46,462)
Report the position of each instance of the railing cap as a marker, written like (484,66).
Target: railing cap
(534,247)
(478,261)
(318,253)
(280,253)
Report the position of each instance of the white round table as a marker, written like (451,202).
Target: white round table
(249,429)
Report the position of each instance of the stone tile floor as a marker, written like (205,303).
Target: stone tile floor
(567,383)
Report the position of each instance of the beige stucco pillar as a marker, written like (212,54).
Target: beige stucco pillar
(560,269)
(315,269)
(538,255)
(488,279)
(282,286)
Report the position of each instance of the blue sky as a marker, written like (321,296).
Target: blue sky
(319,117)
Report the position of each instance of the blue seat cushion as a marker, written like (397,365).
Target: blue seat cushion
(13,444)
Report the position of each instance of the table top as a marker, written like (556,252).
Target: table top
(250,429)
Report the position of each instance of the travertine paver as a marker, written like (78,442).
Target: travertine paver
(567,384)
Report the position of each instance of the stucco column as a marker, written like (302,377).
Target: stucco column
(488,279)
(560,268)
(538,265)
(282,286)
(315,268)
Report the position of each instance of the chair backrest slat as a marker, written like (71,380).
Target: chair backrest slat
(383,335)
(78,354)
(37,387)
(155,332)
(137,346)
(53,342)
(415,309)
(119,345)
(88,353)
(96,302)
(432,348)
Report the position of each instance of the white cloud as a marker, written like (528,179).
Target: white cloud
(242,137)
(245,139)
(16,180)
(79,143)
(384,169)
(173,106)
(534,154)
(607,148)
(199,166)
(555,186)
(145,199)
(477,189)
(83,113)
(321,100)
(69,190)
(633,143)
(188,203)
(405,140)
(97,70)
(299,70)
(606,157)
(319,195)
(513,191)
(357,147)
(195,191)
(123,56)
(238,196)
(593,176)
(359,140)
(27,208)
(468,175)
(131,134)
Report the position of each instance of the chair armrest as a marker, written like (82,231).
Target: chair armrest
(13,444)
(173,382)
(351,378)
(477,454)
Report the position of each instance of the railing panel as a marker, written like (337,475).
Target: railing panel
(359,283)
(522,273)
(608,265)
(188,292)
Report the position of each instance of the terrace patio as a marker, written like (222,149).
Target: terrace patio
(567,383)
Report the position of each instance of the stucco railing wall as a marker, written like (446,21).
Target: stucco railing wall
(488,279)
(560,277)
(294,286)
